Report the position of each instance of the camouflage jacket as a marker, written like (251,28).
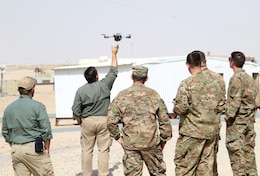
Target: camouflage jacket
(144,117)
(242,92)
(199,100)
(221,83)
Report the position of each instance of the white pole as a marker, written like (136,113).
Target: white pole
(2,67)
(1,83)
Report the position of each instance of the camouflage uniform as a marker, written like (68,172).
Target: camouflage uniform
(199,100)
(221,83)
(240,118)
(139,108)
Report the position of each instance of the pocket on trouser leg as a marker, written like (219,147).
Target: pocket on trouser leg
(132,162)
(47,168)
(154,161)
(110,142)
(13,154)
(181,150)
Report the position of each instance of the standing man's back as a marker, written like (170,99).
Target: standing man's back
(198,101)
(219,79)
(90,109)
(146,126)
(240,118)
(24,122)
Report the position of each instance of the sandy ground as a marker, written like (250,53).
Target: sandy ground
(65,153)
(66,150)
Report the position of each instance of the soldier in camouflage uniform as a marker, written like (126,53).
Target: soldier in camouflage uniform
(199,100)
(146,126)
(240,118)
(221,83)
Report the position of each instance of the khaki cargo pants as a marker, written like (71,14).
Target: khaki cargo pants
(94,131)
(26,161)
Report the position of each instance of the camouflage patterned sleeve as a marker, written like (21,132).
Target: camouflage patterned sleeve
(182,100)
(234,98)
(221,105)
(113,118)
(222,85)
(164,122)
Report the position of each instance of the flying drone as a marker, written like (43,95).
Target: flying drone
(117,37)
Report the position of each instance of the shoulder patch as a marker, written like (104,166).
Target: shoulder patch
(43,107)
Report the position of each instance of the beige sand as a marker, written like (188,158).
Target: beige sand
(66,150)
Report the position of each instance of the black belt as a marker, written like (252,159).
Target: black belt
(22,143)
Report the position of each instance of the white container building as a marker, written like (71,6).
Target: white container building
(165,75)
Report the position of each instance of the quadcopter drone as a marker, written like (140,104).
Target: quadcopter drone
(117,37)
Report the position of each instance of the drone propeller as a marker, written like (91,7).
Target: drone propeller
(106,36)
(128,36)
(117,37)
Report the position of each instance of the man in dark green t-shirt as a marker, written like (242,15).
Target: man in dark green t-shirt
(90,109)
(24,120)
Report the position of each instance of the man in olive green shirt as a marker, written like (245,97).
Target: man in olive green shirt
(90,109)
(24,120)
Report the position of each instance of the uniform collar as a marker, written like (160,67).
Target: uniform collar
(25,96)
(239,71)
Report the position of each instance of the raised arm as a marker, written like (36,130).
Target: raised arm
(114,56)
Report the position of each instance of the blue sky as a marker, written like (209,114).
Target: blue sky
(64,31)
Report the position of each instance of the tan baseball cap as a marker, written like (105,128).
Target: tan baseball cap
(140,70)
(27,83)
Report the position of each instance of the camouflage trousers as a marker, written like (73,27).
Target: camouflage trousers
(194,157)
(240,143)
(153,159)
(215,164)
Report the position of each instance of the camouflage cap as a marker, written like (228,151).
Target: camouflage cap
(139,70)
(27,83)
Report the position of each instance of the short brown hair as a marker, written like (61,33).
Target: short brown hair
(238,58)
(194,59)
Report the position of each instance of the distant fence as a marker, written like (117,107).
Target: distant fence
(9,87)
